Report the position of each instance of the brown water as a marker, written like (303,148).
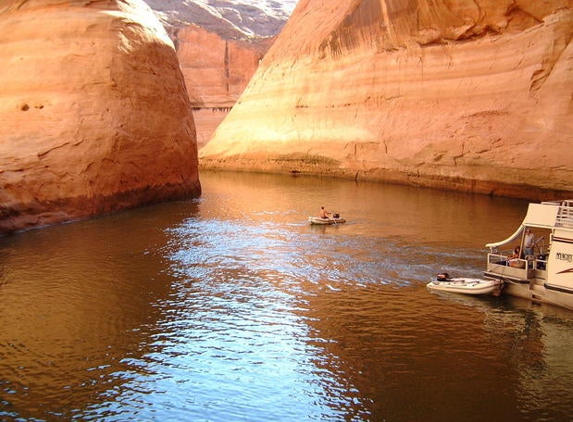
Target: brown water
(232,308)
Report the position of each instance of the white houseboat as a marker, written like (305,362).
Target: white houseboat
(542,271)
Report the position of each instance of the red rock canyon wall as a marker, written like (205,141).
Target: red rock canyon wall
(216,72)
(94,116)
(466,95)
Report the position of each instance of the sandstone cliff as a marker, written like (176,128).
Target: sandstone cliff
(216,72)
(219,45)
(469,94)
(94,116)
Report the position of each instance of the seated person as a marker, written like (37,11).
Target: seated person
(513,260)
(516,253)
(323,213)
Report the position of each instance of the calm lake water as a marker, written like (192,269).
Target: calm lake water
(231,307)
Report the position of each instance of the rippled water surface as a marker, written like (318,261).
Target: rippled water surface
(231,307)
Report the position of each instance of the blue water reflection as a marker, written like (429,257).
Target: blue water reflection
(241,324)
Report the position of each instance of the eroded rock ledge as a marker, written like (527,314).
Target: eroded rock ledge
(95,116)
(466,95)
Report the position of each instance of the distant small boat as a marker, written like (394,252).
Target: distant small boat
(468,286)
(326,221)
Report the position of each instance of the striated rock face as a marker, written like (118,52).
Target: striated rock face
(94,116)
(219,45)
(216,72)
(469,95)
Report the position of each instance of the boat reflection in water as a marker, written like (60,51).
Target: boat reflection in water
(537,341)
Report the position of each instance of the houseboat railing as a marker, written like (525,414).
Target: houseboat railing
(505,261)
(564,214)
(520,269)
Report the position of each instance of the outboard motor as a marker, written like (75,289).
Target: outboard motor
(443,277)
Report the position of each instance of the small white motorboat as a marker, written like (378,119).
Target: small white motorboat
(468,286)
(326,221)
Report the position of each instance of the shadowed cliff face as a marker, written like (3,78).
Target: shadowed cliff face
(216,72)
(95,116)
(468,95)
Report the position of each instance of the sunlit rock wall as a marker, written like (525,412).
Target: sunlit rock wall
(94,116)
(467,95)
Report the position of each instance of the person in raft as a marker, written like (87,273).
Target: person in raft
(323,213)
